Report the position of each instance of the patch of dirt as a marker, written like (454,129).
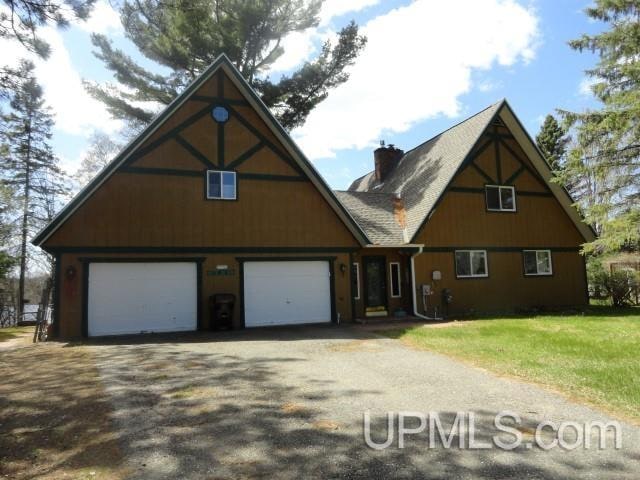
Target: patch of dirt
(294,409)
(395,325)
(22,339)
(192,392)
(356,346)
(55,416)
(326,425)
(443,324)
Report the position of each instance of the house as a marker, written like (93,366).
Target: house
(214,197)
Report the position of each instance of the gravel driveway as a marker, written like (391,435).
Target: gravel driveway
(289,403)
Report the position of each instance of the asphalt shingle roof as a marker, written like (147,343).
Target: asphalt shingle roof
(376,214)
(419,180)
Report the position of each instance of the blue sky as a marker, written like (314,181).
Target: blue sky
(428,65)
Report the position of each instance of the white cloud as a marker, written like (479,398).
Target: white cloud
(585,87)
(76,112)
(103,19)
(71,165)
(486,86)
(335,8)
(300,46)
(419,59)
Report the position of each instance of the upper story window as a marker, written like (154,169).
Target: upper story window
(221,185)
(537,262)
(500,198)
(471,263)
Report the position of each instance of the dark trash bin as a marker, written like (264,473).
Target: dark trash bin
(221,306)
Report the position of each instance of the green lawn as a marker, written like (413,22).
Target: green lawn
(13,332)
(593,357)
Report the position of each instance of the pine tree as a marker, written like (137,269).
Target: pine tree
(29,167)
(608,139)
(185,36)
(552,141)
(7,262)
(20,20)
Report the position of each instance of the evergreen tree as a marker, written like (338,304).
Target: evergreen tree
(608,139)
(29,167)
(7,262)
(185,36)
(552,141)
(20,19)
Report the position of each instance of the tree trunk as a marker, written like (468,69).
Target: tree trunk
(25,227)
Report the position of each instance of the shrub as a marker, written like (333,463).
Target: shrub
(620,285)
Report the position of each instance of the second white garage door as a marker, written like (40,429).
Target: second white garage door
(141,297)
(286,293)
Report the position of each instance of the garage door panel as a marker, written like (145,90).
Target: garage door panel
(286,293)
(141,297)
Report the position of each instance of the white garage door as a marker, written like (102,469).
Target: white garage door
(286,293)
(141,297)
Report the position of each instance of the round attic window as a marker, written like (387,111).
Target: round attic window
(220,114)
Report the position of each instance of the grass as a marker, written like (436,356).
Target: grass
(593,357)
(13,332)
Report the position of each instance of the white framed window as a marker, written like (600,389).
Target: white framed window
(355,280)
(537,262)
(471,264)
(394,277)
(221,185)
(500,198)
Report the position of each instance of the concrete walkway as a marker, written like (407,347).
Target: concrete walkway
(289,403)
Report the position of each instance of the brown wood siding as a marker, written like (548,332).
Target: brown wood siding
(461,220)
(71,304)
(506,289)
(169,209)
(157,201)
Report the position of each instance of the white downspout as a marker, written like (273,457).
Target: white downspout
(413,286)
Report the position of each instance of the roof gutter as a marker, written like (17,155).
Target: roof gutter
(415,247)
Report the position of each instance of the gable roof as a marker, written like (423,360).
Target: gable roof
(424,173)
(530,148)
(375,212)
(221,63)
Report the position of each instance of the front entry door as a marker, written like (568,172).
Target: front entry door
(375,286)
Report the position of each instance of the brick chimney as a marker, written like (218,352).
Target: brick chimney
(386,158)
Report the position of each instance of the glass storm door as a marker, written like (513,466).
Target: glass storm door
(375,283)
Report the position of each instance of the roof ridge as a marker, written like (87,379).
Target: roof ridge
(367,191)
(362,176)
(454,126)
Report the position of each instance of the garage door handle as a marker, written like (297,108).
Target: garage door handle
(287,302)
